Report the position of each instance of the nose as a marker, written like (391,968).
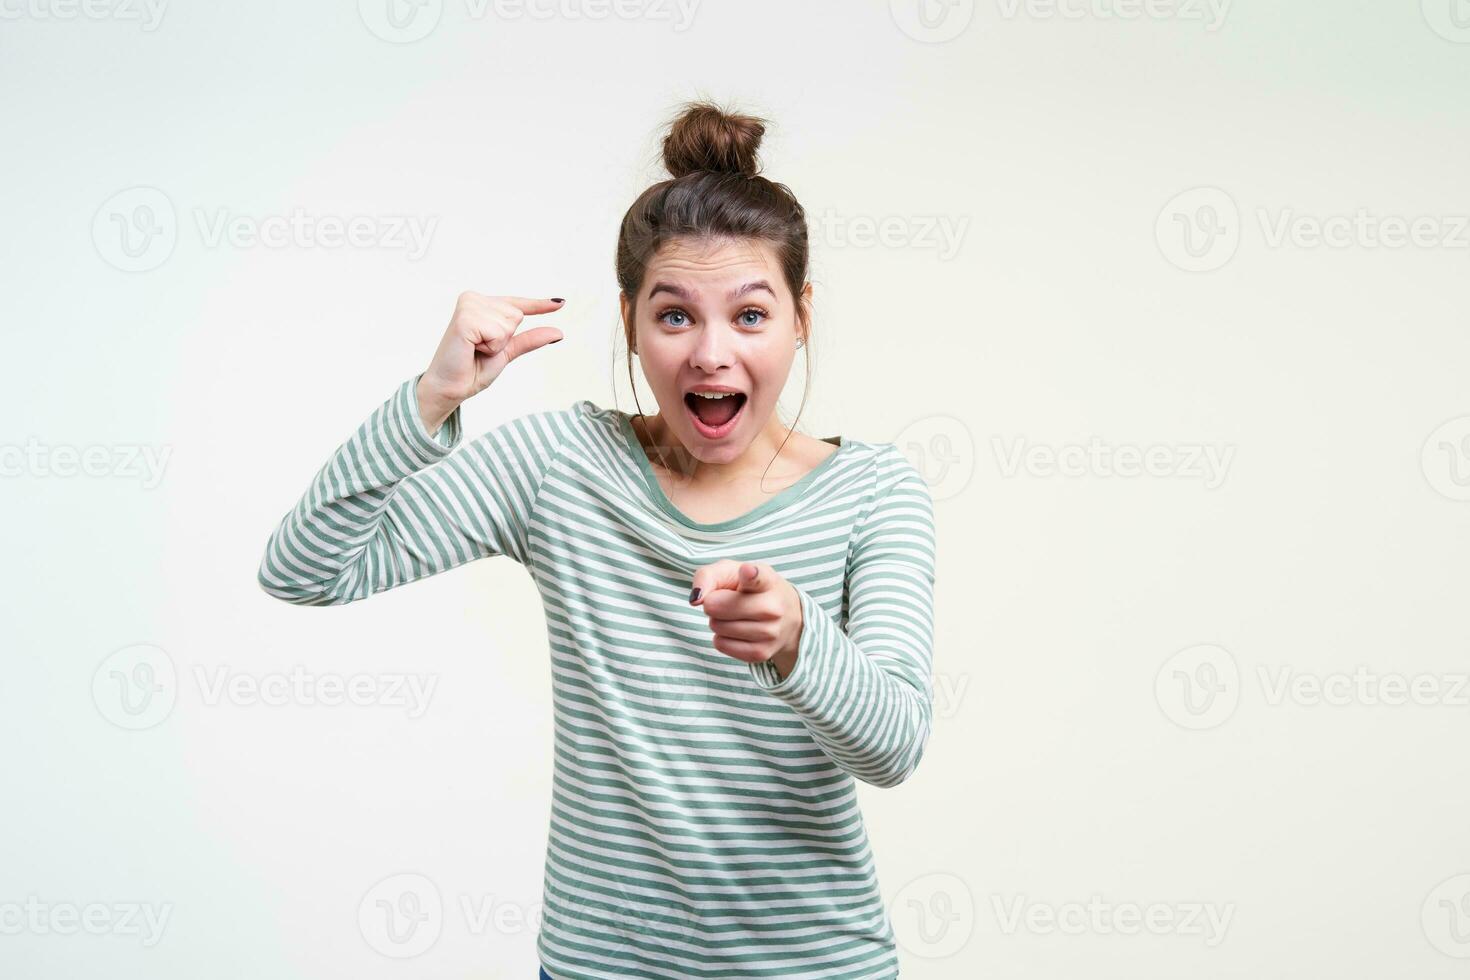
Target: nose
(713,349)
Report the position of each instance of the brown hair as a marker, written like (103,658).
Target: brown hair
(715,191)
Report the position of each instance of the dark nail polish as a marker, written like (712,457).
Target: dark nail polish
(557,299)
(694,595)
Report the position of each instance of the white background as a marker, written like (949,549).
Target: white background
(1069,763)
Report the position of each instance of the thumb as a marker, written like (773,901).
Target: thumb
(525,341)
(752,578)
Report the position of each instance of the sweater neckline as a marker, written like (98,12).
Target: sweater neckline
(634,448)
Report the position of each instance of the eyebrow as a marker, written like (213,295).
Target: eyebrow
(682,293)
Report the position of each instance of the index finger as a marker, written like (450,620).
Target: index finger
(530,304)
(723,574)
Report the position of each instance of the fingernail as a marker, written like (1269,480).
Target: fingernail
(557,299)
(694,595)
(558,340)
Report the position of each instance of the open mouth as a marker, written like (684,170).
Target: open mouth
(715,418)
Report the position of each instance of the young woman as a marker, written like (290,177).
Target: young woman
(740,616)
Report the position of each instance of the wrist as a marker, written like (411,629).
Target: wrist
(434,409)
(784,659)
(784,663)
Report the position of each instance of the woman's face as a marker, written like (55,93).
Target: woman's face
(716,315)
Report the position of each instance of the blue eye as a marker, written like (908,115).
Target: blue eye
(756,312)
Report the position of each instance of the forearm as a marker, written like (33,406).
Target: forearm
(868,708)
(354,531)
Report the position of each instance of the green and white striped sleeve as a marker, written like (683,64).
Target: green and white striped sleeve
(865,694)
(380,513)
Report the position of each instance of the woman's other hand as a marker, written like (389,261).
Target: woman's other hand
(483,336)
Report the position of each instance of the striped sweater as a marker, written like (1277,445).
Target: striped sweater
(704,820)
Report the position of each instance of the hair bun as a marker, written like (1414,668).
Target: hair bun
(705,137)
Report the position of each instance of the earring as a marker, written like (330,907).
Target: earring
(800,342)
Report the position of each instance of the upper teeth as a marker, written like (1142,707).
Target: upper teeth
(715,394)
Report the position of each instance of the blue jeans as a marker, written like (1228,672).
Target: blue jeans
(544,975)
